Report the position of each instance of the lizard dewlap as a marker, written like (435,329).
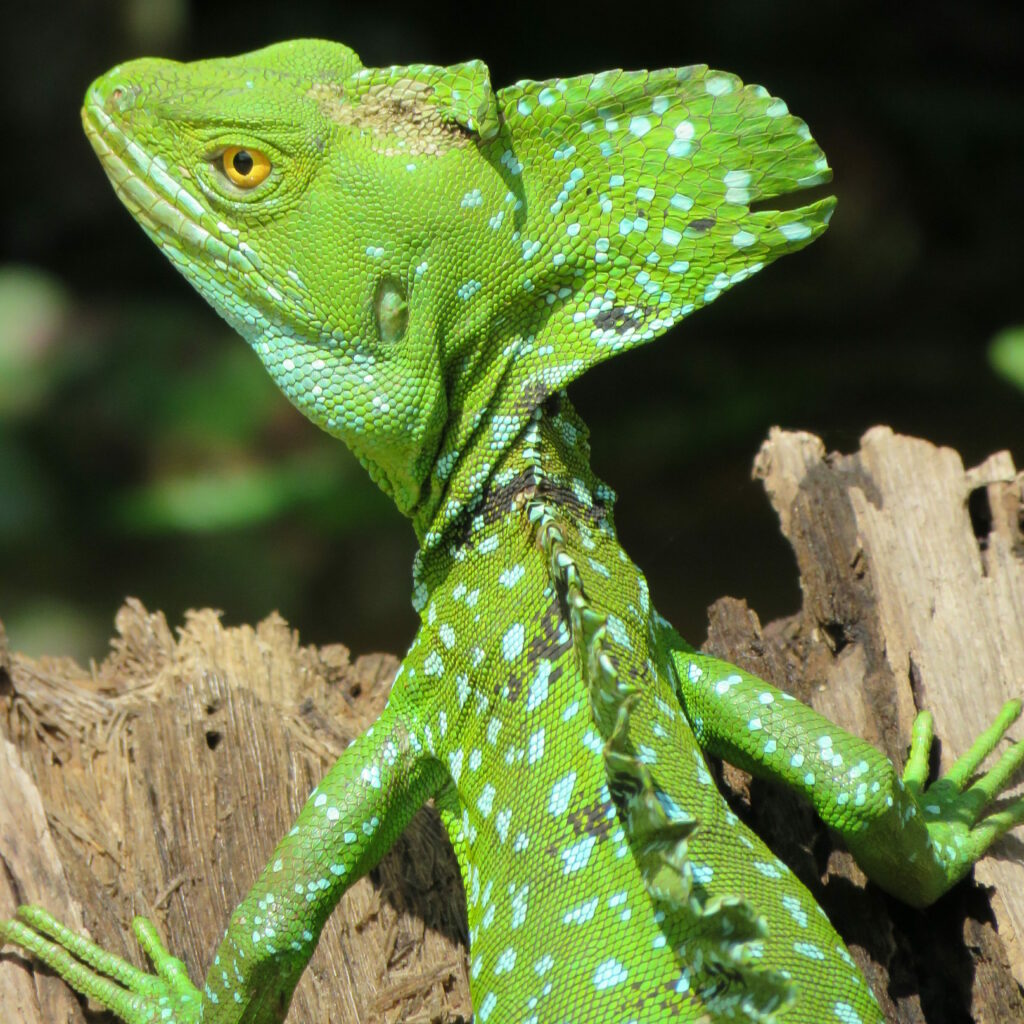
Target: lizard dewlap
(423,265)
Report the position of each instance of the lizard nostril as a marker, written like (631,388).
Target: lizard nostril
(121,97)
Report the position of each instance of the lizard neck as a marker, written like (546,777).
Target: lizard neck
(548,458)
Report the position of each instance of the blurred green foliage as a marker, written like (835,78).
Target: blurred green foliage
(128,430)
(1006,354)
(33,309)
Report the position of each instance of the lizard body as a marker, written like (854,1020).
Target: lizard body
(423,266)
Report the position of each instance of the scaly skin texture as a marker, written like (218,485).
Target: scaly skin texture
(423,266)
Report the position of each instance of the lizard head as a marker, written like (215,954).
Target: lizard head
(304,197)
(420,262)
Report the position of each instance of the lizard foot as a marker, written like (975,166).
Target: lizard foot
(133,995)
(953,807)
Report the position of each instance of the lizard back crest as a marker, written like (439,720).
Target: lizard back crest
(630,197)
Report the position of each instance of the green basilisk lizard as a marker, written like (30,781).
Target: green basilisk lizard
(424,265)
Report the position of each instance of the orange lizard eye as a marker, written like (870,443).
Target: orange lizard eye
(245,167)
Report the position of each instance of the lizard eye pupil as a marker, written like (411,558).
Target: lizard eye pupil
(242,162)
(244,167)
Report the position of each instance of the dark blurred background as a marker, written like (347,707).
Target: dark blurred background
(143,451)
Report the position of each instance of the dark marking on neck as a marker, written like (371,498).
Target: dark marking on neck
(701,224)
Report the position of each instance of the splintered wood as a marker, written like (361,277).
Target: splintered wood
(159,781)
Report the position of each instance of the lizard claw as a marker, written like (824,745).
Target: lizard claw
(133,995)
(953,807)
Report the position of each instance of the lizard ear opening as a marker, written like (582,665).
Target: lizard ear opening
(460,94)
(390,310)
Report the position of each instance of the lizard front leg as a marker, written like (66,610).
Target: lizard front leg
(915,841)
(347,824)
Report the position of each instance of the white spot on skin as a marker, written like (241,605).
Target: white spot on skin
(519,901)
(512,642)
(809,950)
(501,823)
(795,910)
(639,126)
(539,687)
(581,913)
(510,577)
(561,793)
(487,1006)
(455,765)
(846,1014)
(485,802)
(577,856)
(609,973)
(506,961)
(795,232)
(718,85)
(536,747)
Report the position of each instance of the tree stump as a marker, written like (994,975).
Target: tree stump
(159,781)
